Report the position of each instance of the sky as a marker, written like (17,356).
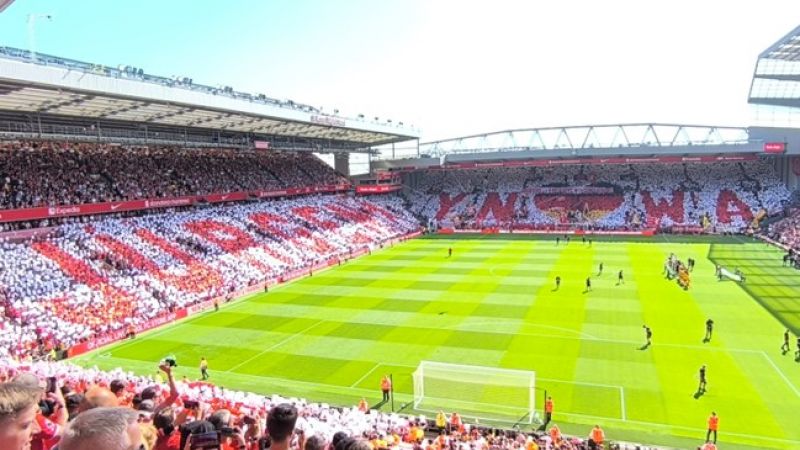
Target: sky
(450,68)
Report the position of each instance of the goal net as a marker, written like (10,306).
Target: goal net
(475,391)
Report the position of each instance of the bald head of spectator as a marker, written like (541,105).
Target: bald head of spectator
(103,428)
(18,408)
(97,397)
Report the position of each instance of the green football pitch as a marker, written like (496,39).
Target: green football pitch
(332,336)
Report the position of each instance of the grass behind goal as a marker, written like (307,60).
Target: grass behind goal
(331,337)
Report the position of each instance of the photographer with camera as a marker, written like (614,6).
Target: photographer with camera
(231,436)
(52,415)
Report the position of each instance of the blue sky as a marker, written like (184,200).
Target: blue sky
(448,67)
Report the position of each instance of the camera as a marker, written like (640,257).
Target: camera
(228,431)
(47,407)
(204,441)
(191,404)
(170,361)
(52,384)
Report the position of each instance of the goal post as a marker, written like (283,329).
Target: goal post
(478,391)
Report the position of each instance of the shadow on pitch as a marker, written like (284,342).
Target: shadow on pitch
(698,394)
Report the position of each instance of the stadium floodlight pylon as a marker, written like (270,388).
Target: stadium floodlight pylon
(476,391)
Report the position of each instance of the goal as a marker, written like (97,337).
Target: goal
(475,391)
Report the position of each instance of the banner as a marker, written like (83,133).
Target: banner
(120,334)
(644,232)
(18,215)
(686,229)
(377,188)
(21,235)
(774,147)
(570,190)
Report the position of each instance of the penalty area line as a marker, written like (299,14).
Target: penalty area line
(364,377)
(274,346)
(780,372)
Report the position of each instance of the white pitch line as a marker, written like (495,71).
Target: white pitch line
(467,325)
(366,375)
(581,383)
(276,345)
(780,372)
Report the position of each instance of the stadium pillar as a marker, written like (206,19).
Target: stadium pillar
(341,163)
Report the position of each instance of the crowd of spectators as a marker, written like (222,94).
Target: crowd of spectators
(37,173)
(77,408)
(786,231)
(600,196)
(85,280)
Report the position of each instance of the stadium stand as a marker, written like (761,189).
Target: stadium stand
(58,173)
(167,413)
(721,196)
(94,279)
(87,280)
(787,230)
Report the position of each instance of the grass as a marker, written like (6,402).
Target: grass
(332,336)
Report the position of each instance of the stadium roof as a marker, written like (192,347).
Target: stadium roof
(776,80)
(44,84)
(655,136)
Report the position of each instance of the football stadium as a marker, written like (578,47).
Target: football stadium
(194,266)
